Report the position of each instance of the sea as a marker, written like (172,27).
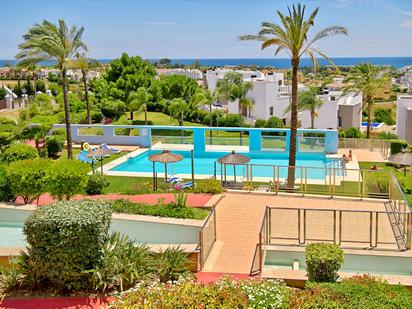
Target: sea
(280,63)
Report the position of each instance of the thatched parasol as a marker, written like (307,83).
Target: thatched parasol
(99,154)
(234,159)
(164,157)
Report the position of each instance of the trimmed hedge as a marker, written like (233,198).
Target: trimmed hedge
(323,261)
(65,241)
(19,152)
(6,194)
(67,178)
(96,183)
(55,144)
(28,178)
(398,146)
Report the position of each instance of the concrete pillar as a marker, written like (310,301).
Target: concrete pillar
(255,140)
(331,141)
(199,141)
(146,137)
(287,140)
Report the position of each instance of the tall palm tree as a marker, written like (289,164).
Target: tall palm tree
(370,80)
(48,41)
(206,97)
(82,63)
(309,101)
(137,101)
(291,36)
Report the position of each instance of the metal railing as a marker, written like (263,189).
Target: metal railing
(258,258)
(207,237)
(354,229)
(383,146)
(186,140)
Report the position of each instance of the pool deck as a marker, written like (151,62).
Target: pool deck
(239,218)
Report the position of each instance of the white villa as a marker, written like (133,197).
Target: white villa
(272,97)
(191,73)
(404,117)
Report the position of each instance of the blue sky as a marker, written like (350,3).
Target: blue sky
(208,28)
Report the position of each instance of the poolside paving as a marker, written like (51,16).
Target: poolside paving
(239,218)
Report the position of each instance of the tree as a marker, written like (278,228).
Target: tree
(177,108)
(292,37)
(384,115)
(82,63)
(137,101)
(178,86)
(165,61)
(309,101)
(48,41)
(206,97)
(370,80)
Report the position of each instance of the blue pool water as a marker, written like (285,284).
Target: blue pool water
(12,234)
(204,164)
(374,124)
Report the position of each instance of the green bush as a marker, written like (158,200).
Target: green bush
(5,120)
(211,186)
(19,152)
(323,261)
(398,146)
(6,138)
(28,178)
(387,135)
(362,292)
(274,122)
(59,131)
(6,195)
(66,240)
(352,133)
(55,144)
(260,123)
(383,115)
(67,178)
(171,263)
(123,264)
(95,184)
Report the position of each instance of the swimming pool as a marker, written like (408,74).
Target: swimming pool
(12,234)
(313,164)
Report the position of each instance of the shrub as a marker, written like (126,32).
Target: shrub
(66,240)
(363,292)
(28,178)
(5,120)
(123,264)
(323,261)
(19,152)
(55,144)
(6,194)
(398,146)
(95,184)
(180,200)
(225,293)
(6,138)
(67,178)
(384,115)
(211,186)
(59,131)
(260,123)
(274,122)
(352,133)
(171,263)
(387,135)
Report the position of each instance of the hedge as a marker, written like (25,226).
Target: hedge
(323,261)
(398,146)
(19,152)
(6,194)
(65,241)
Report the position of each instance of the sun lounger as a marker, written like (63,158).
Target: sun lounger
(82,157)
(105,147)
(174,180)
(185,185)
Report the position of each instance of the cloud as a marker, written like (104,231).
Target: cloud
(407,23)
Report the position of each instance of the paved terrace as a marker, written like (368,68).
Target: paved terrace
(239,217)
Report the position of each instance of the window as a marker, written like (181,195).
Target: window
(279,82)
(271,111)
(332,98)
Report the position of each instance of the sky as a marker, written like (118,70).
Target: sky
(208,28)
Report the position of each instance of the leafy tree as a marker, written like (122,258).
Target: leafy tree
(29,87)
(18,91)
(177,109)
(36,133)
(232,88)
(82,63)
(2,93)
(206,97)
(137,101)
(62,45)
(40,86)
(384,115)
(165,61)
(370,80)
(274,122)
(178,86)
(292,37)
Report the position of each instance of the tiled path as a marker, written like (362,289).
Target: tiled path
(239,218)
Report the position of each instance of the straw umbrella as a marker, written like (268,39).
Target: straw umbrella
(233,159)
(402,158)
(164,157)
(100,153)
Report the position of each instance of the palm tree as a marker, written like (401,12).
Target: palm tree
(48,41)
(177,109)
(137,101)
(291,37)
(82,63)
(370,80)
(309,101)
(206,97)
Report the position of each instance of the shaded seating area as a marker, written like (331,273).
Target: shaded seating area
(233,159)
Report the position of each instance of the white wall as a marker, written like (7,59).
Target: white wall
(404,102)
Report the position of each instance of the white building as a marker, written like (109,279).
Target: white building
(190,73)
(404,117)
(269,94)
(339,110)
